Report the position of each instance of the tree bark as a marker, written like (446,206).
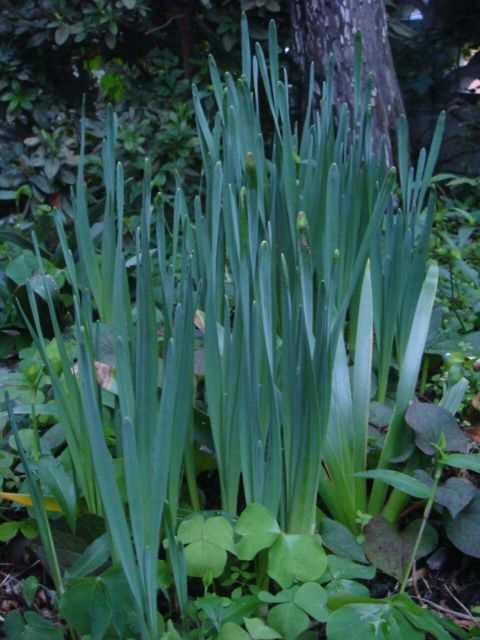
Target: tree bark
(323,26)
(181,10)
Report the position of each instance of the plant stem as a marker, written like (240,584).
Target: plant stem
(191,477)
(382,383)
(36,437)
(423,380)
(453,297)
(395,504)
(261,564)
(426,514)
(398,499)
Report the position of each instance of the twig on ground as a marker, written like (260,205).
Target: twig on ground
(460,604)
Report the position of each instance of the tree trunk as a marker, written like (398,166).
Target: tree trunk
(323,26)
(181,11)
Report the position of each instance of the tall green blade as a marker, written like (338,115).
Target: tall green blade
(407,382)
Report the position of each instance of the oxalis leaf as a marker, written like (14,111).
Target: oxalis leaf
(258,529)
(231,631)
(288,619)
(30,626)
(203,556)
(429,421)
(30,588)
(8,530)
(20,269)
(296,557)
(310,597)
(258,630)
(389,550)
(207,542)
(86,607)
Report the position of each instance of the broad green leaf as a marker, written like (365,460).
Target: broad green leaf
(340,540)
(20,269)
(288,619)
(203,556)
(370,622)
(30,626)
(30,588)
(8,530)
(85,606)
(124,619)
(454,494)
(61,35)
(231,631)
(238,610)
(463,529)
(51,167)
(26,438)
(296,558)
(258,529)
(44,285)
(286,595)
(450,341)
(206,544)
(29,528)
(19,239)
(340,592)
(164,576)
(219,531)
(390,550)
(258,630)
(171,633)
(312,598)
(429,421)
(342,569)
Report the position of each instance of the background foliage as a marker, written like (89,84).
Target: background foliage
(137,54)
(142,55)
